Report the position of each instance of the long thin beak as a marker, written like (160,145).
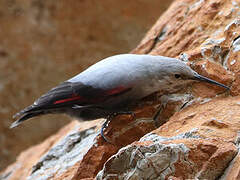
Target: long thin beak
(202,78)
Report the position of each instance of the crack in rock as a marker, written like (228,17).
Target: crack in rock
(158,38)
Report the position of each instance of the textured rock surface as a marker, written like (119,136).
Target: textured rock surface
(183,156)
(200,140)
(44,43)
(55,153)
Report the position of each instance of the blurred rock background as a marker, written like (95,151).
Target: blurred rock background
(45,42)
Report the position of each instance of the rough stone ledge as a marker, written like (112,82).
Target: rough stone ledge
(155,157)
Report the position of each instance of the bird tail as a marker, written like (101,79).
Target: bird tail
(54,101)
(25,117)
(26,114)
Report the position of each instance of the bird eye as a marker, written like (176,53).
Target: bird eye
(177,76)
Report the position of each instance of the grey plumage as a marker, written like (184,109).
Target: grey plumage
(110,85)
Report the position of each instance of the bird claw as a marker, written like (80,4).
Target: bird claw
(105,124)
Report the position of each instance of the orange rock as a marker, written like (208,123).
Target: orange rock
(197,142)
(233,171)
(214,71)
(183,156)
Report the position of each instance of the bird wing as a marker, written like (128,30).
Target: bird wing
(68,94)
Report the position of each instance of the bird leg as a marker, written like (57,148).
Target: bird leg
(110,117)
(164,101)
(105,124)
(157,114)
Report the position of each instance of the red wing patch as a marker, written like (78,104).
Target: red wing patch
(68,99)
(94,99)
(117,91)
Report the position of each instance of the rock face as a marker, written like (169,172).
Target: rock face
(44,43)
(198,142)
(198,133)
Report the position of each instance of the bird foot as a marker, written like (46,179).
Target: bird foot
(105,124)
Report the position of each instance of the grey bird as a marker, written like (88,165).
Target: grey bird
(109,86)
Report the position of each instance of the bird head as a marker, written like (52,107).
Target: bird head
(179,73)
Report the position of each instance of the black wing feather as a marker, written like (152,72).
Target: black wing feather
(63,91)
(66,91)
